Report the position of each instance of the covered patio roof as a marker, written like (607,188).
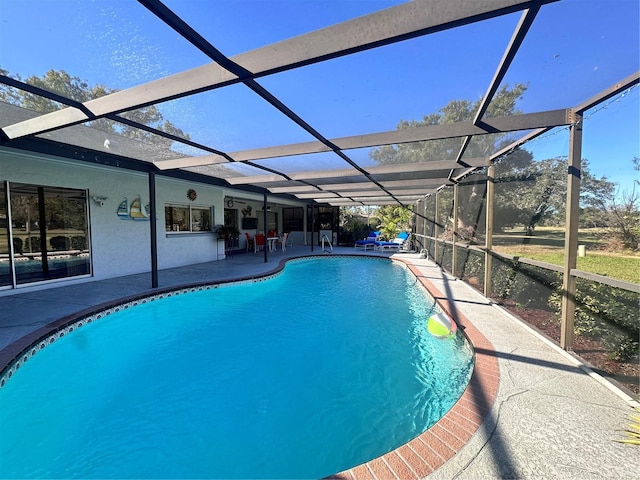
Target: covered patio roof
(299,136)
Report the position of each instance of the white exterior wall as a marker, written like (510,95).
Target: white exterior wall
(177,249)
(122,247)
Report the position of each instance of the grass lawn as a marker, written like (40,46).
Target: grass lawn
(547,245)
(619,267)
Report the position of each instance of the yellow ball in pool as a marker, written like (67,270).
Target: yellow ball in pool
(440,326)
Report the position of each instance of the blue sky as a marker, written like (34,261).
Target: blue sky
(575,49)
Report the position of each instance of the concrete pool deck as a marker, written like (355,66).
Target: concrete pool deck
(543,415)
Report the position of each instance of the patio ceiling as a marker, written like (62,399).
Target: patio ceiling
(316,164)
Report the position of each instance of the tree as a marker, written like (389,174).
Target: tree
(394,219)
(528,192)
(74,88)
(503,104)
(622,215)
(354,223)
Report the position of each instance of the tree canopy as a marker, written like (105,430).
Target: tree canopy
(504,104)
(74,88)
(394,219)
(528,192)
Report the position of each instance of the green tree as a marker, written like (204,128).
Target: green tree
(528,192)
(354,223)
(533,193)
(395,219)
(503,104)
(622,214)
(74,88)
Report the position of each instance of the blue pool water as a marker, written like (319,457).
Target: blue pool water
(300,376)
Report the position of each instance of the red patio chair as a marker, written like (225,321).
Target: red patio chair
(258,242)
(250,245)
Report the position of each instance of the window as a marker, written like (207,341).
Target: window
(325,218)
(272,222)
(187,218)
(49,233)
(200,219)
(293,219)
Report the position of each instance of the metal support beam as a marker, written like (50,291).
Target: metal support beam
(405,21)
(153,232)
(571,234)
(612,91)
(512,123)
(526,20)
(436,247)
(266,217)
(313,224)
(424,227)
(519,34)
(412,168)
(488,241)
(454,236)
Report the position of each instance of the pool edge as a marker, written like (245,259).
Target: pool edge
(427,452)
(16,351)
(415,459)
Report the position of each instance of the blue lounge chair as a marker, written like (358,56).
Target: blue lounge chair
(398,243)
(369,242)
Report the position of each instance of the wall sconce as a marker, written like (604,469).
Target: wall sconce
(99,200)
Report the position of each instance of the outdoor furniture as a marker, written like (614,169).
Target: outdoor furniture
(405,245)
(272,242)
(250,245)
(398,243)
(258,243)
(283,242)
(369,242)
(381,246)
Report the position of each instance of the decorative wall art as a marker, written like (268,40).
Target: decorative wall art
(133,210)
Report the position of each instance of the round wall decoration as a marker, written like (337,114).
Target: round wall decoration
(230,203)
(192,194)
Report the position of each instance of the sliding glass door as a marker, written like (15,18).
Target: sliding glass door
(5,252)
(49,232)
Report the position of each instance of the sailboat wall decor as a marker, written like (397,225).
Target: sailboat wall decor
(123,210)
(135,211)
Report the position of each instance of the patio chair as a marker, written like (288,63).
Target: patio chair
(258,243)
(400,242)
(250,245)
(283,241)
(369,242)
(405,244)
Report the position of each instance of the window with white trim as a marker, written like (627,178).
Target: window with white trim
(188,218)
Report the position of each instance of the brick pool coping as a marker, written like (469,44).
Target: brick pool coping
(413,460)
(424,454)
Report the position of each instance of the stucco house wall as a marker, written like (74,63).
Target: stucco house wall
(122,247)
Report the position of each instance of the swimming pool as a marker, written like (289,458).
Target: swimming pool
(280,378)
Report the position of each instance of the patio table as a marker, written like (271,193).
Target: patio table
(272,243)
